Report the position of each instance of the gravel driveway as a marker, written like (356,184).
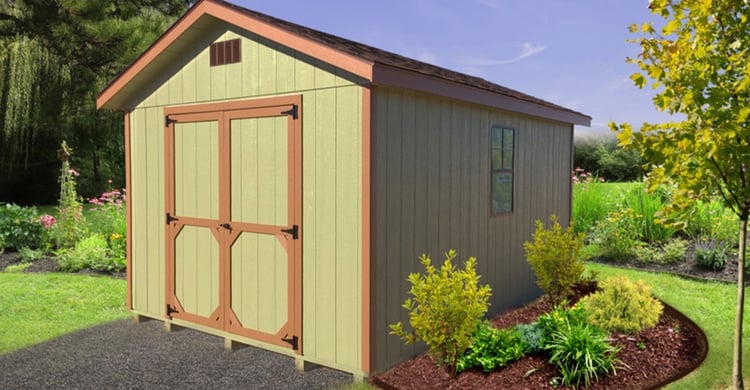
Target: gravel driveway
(123,354)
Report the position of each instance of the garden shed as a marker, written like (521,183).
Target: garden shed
(282,183)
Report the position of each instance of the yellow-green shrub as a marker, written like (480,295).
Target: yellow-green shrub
(622,305)
(445,308)
(554,257)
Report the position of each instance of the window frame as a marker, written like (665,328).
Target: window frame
(503,169)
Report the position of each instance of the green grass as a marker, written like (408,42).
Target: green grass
(40,307)
(711,305)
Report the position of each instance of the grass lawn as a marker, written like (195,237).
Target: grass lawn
(39,307)
(711,305)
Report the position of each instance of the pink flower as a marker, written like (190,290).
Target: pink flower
(47,220)
(73,172)
(109,181)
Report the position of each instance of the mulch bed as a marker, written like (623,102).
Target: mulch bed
(673,348)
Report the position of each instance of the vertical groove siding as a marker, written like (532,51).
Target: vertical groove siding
(432,186)
(332,185)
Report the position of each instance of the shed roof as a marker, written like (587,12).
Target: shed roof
(378,66)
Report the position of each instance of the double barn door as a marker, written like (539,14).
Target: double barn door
(233,200)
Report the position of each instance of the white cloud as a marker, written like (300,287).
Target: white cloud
(527,50)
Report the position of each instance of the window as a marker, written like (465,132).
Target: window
(225,52)
(501,171)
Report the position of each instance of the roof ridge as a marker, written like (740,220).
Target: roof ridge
(388,58)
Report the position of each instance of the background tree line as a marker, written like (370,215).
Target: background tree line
(601,156)
(57,56)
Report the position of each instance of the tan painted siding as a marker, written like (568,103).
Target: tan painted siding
(147,202)
(431,181)
(331,229)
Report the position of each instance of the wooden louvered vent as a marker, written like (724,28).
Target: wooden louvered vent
(225,52)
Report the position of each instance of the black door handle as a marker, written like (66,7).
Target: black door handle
(226,226)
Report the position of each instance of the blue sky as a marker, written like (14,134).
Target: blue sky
(569,52)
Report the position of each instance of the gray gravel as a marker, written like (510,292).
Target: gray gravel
(126,355)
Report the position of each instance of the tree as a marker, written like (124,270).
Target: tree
(699,65)
(81,45)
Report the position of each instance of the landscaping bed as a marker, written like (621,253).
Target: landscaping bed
(655,356)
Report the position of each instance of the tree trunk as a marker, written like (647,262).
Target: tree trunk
(737,364)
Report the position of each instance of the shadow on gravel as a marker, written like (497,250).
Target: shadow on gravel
(124,354)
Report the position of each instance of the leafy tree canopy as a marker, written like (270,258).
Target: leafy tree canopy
(61,54)
(699,63)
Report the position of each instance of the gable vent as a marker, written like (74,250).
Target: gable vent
(225,52)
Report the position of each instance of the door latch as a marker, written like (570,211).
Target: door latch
(226,226)
(293,231)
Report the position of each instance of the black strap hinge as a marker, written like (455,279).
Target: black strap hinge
(291,340)
(171,219)
(168,121)
(292,111)
(171,309)
(293,231)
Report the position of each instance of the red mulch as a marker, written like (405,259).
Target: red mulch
(673,348)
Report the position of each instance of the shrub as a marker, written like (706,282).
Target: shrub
(19,226)
(444,310)
(91,252)
(672,252)
(711,254)
(532,336)
(28,255)
(616,235)
(554,257)
(622,306)
(581,353)
(558,318)
(712,220)
(492,348)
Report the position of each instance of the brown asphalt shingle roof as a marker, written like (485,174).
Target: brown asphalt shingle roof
(387,58)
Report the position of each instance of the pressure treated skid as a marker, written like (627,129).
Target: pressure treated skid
(369,159)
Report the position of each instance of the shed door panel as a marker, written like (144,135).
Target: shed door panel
(196,169)
(233,205)
(261,200)
(260,171)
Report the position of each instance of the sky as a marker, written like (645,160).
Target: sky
(569,52)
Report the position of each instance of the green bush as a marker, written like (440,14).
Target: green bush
(107,217)
(444,310)
(711,254)
(616,235)
(492,348)
(672,252)
(19,226)
(28,255)
(581,353)
(554,256)
(532,336)
(622,306)
(91,252)
(712,220)
(558,318)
